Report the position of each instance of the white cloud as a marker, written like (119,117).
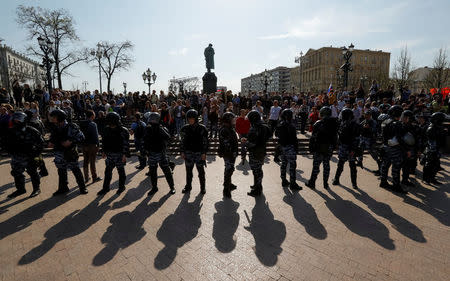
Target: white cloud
(179,52)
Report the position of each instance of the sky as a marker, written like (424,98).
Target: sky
(248,36)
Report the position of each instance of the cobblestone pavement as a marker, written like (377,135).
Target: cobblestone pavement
(339,234)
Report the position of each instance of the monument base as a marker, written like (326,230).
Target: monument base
(209,83)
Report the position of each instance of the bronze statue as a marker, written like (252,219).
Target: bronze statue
(209,57)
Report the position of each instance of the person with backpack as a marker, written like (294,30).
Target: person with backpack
(256,142)
(138,129)
(90,146)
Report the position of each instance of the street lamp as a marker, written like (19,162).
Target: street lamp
(124,88)
(148,77)
(98,54)
(266,79)
(46,47)
(299,61)
(346,67)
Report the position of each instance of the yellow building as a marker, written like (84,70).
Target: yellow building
(321,67)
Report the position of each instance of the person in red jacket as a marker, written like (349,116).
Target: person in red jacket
(313,117)
(242,128)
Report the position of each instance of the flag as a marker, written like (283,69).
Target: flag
(330,89)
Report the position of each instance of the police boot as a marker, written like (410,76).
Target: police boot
(405,180)
(256,191)
(43,169)
(294,186)
(311,183)
(62,183)
(106,181)
(188,186)
(202,184)
(353,174)
(339,170)
(154,181)
(398,188)
(122,179)
(20,185)
(36,181)
(169,178)
(284,181)
(385,184)
(80,180)
(426,176)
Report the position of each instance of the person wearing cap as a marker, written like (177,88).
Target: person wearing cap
(256,143)
(194,145)
(155,145)
(64,139)
(228,150)
(368,139)
(24,143)
(115,150)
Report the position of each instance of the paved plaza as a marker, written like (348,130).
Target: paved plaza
(336,234)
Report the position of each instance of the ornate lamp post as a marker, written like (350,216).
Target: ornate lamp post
(148,77)
(124,88)
(267,79)
(46,47)
(98,54)
(346,67)
(299,60)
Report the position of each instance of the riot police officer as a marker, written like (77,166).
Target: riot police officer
(321,144)
(155,145)
(287,138)
(64,139)
(368,140)
(256,143)
(228,150)
(115,149)
(193,146)
(435,139)
(392,132)
(412,146)
(25,144)
(348,138)
(38,125)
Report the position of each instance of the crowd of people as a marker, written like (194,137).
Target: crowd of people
(397,130)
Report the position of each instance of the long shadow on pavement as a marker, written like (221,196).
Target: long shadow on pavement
(305,214)
(226,222)
(177,229)
(268,233)
(72,225)
(358,220)
(126,229)
(381,209)
(25,218)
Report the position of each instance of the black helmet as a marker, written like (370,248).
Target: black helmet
(192,113)
(59,114)
(112,118)
(29,115)
(368,112)
(19,117)
(437,118)
(395,111)
(325,112)
(383,117)
(347,114)
(287,115)
(384,107)
(408,113)
(254,117)
(228,117)
(153,118)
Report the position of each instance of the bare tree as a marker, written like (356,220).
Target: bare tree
(402,69)
(56,26)
(440,73)
(115,57)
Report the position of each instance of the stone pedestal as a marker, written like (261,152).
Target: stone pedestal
(209,83)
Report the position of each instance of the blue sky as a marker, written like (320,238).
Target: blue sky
(248,35)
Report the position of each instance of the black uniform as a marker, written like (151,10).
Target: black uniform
(411,138)
(287,139)
(38,125)
(194,143)
(155,145)
(256,143)
(435,140)
(321,144)
(228,150)
(348,137)
(115,144)
(67,157)
(25,144)
(368,140)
